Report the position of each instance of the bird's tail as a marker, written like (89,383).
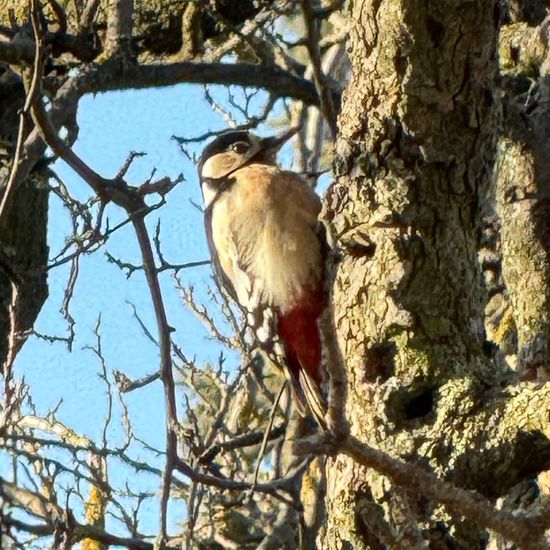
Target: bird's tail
(314,398)
(299,332)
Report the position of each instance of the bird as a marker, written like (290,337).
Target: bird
(268,250)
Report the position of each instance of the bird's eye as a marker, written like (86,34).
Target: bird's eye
(240,147)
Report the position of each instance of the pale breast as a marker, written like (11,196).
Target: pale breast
(266,227)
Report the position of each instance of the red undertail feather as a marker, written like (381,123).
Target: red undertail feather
(299,332)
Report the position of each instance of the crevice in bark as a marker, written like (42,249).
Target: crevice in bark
(370,522)
(379,362)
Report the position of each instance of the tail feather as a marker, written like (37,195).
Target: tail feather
(314,398)
(298,396)
(300,336)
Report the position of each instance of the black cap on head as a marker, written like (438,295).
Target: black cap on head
(257,148)
(221,143)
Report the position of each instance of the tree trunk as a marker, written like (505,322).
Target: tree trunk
(522,186)
(416,151)
(23,245)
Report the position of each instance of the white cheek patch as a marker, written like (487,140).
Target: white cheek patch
(223,164)
(219,166)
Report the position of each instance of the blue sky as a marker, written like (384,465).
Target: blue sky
(112,125)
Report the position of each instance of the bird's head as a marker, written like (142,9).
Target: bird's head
(237,148)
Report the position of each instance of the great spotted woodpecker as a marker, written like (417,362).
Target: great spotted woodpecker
(268,247)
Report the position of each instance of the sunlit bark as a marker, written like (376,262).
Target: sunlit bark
(416,150)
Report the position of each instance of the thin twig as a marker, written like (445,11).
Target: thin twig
(80,532)
(7,367)
(325,97)
(272,488)
(251,123)
(141,323)
(241,441)
(266,437)
(67,297)
(126,385)
(165,363)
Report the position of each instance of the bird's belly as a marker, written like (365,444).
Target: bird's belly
(286,261)
(265,236)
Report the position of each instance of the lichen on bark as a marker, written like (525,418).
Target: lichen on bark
(415,154)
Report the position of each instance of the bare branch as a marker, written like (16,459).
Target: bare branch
(187,295)
(251,123)
(80,532)
(246,440)
(119,27)
(108,76)
(265,438)
(272,488)
(321,83)
(525,531)
(7,366)
(126,385)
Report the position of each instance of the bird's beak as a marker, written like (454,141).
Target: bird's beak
(271,145)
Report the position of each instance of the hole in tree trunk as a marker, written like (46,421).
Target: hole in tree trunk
(404,406)
(379,362)
(419,406)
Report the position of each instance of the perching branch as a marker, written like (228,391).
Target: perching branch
(525,531)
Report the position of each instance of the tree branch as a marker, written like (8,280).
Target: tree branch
(278,82)
(493,441)
(526,532)
(79,532)
(119,26)
(321,82)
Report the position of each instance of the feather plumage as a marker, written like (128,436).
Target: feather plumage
(264,237)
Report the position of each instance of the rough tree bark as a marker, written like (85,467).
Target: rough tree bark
(23,234)
(522,188)
(415,155)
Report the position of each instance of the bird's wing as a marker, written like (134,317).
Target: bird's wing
(301,193)
(231,258)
